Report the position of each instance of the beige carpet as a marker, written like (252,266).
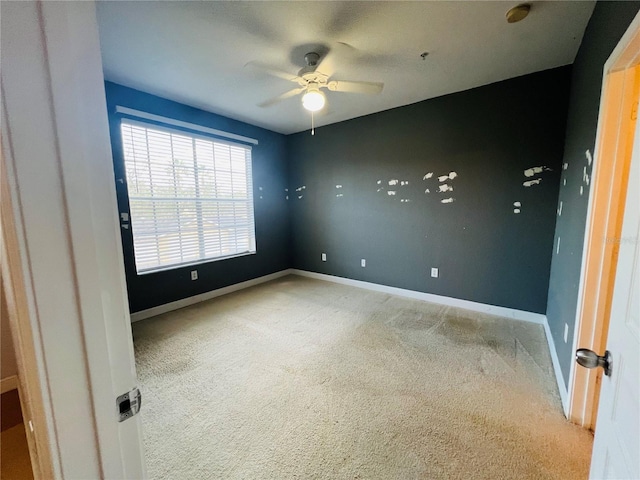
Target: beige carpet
(306,379)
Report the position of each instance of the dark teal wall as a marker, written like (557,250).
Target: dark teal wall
(488,136)
(607,25)
(485,252)
(271,209)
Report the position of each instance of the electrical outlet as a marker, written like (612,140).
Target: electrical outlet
(194,274)
(363,263)
(566,332)
(324,257)
(434,272)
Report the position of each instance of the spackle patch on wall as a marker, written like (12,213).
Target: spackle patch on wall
(394,182)
(300,197)
(445,187)
(517,206)
(586,171)
(448,176)
(565,165)
(339,195)
(427,176)
(530,172)
(560,208)
(516,210)
(564,182)
(338,186)
(427,191)
(299,189)
(532,182)
(404,200)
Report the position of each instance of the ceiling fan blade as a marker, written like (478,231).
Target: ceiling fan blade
(326,65)
(355,87)
(284,96)
(273,71)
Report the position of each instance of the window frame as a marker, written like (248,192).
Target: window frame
(199,134)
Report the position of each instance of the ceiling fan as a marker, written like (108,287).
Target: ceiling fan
(311,81)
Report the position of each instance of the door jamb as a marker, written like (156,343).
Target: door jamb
(612,156)
(16,287)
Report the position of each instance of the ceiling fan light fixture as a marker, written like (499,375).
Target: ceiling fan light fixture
(313,100)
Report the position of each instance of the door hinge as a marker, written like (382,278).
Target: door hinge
(634,111)
(128,404)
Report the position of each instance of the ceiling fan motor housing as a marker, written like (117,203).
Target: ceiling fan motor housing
(312,59)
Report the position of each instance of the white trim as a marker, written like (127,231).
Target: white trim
(562,389)
(185,302)
(532,317)
(179,123)
(9,383)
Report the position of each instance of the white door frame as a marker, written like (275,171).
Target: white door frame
(612,157)
(66,260)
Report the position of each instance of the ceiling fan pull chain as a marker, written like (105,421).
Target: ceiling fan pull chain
(313,129)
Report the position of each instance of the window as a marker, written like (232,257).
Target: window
(191,196)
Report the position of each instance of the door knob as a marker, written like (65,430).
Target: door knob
(590,359)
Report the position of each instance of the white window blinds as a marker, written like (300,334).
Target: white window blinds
(191,197)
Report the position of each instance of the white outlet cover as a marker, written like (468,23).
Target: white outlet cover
(194,274)
(566,332)
(363,262)
(434,272)
(324,257)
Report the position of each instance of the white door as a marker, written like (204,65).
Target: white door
(55,144)
(616,450)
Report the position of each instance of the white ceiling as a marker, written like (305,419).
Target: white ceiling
(195,52)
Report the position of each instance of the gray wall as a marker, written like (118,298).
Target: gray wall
(608,23)
(485,252)
(271,209)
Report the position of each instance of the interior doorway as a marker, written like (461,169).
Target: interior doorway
(613,151)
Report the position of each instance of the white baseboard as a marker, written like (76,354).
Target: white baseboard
(429,297)
(564,394)
(185,302)
(9,383)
